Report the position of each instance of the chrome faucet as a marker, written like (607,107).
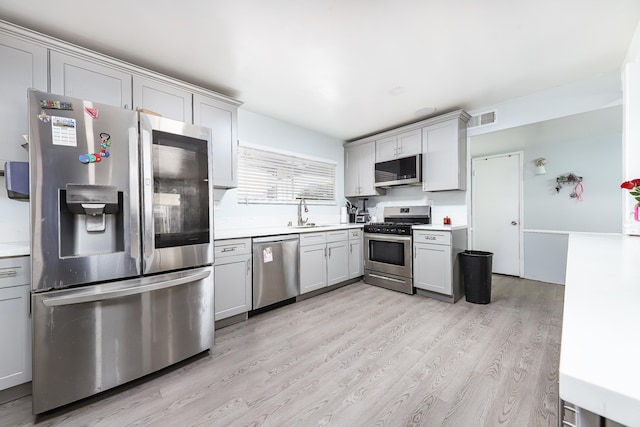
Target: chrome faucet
(301,221)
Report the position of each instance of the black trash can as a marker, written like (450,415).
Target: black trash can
(476,275)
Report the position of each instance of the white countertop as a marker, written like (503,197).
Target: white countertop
(237,233)
(600,351)
(439,227)
(11,249)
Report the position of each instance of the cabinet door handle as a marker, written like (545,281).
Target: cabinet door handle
(8,273)
(329,252)
(351,248)
(248,266)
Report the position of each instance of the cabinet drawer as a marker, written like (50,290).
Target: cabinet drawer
(232,247)
(337,236)
(434,237)
(307,239)
(355,234)
(14,271)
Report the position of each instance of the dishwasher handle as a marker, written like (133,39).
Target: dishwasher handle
(275,239)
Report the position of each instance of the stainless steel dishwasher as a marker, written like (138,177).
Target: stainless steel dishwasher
(275,269)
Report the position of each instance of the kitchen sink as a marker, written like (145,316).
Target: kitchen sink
(303,226)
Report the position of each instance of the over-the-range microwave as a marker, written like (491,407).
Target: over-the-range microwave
(403,171)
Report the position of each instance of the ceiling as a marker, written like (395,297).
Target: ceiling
(350,68)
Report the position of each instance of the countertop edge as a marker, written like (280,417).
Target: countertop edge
(225,234)
(14,249)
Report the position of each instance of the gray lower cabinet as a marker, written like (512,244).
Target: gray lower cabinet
(324,259)
(85,78)
(232,277)
(15,322)
(356,260)
(436,268)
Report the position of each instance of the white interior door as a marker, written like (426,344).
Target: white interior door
(496,186)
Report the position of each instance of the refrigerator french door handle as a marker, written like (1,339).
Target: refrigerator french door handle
(147,197)
(156,285)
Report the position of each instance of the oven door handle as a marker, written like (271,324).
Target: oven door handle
(155,285)
(387,237)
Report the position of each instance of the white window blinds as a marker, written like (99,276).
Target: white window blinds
(266,176)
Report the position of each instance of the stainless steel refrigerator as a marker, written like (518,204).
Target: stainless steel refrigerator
(121,245)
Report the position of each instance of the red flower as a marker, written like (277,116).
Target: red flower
(634,188)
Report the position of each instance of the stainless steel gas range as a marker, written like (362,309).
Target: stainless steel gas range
(388,259)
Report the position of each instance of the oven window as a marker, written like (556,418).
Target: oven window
(180,190)
(386,252)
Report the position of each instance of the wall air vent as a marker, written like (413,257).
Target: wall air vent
(483,119)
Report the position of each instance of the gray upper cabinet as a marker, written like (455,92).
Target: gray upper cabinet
(397,146)
(24,65)
(222,118)
(444,149)
(87,79)
(359,170)
(162,98)
(88,75)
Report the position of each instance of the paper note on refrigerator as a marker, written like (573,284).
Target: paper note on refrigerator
(63,131)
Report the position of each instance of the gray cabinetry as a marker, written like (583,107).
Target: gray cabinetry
(24,65)
(356,260)
(436,268)
(399,145)
(359,176)
(337,256)
(313,261)
(324,259)
(88,79)
(232,277)
(222,118)
(162,98)
(89,75)
(444,149)
(15,322)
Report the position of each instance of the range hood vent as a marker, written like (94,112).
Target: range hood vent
(483,119)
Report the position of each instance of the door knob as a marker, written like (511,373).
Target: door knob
(514,223)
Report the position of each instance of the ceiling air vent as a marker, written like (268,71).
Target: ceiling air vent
(483,119)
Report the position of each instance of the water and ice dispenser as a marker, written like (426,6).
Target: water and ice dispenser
(91,219)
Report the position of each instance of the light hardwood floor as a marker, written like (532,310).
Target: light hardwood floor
(357,356)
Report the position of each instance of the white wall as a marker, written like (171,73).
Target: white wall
(586,95)
(444,203)
(631,151)
(14,216)
(587,144)
(574,127)
(257,129)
